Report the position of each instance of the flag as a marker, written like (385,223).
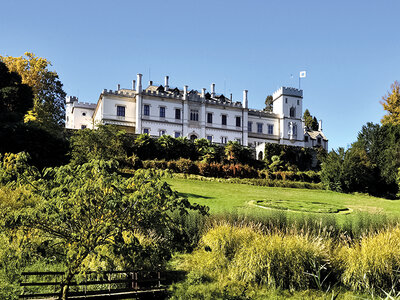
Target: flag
(302,74)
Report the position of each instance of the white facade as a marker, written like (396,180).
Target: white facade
(159,110)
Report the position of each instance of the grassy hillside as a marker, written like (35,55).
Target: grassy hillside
(256,200)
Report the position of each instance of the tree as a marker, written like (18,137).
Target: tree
(15,98)
(106,142)
(309,121)
(83,208)
(49,97)
(391,103)
(269,103)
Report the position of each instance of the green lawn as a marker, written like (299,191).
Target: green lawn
(248,199)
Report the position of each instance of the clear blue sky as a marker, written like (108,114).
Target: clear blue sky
(350,49)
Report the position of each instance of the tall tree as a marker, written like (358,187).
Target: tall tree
(307,118)
(309,121)
(269,103)
(15,98)
(391,103)
(49,97)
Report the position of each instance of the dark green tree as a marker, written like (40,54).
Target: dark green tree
(106,142)
(15,98)
(269,103)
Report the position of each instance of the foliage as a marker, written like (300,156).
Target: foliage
(15,97)
(45,148)
(49,96)
(372,264)
(106,142)
(242,254)
(269,103)
(83,210)
(391,103)
(309,121)
(370,165)
(283,157)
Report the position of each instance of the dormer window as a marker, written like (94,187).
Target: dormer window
(292,112)
(319,140)
(306,138)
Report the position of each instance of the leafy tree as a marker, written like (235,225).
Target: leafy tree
(269,103)
(15,98)
(309,121)
(49,97)
(107,142)
(84,209)
(145,147)
(391,103)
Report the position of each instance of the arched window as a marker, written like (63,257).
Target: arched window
(193,137)
(292,112)
(260,155)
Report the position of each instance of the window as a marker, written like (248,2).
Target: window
(285,100)
(238,122)
(146,110)
(83,126)
(83,114)
(270,129)
(319,140)
(224,139)
(194,115)
(259,127)
(162,132)
(292,112)
(209,118)
(223,120)
(239,141)
(250,126)
(177,114)
(298,102)
(162,112)
(121,111)
(193,137)
(177,134)
(146,131)
(306,138)
(209,137)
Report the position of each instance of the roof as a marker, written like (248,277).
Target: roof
(315,133)
(192,93)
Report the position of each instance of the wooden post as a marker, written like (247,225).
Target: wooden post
(159,279)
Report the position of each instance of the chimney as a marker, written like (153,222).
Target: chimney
(320,125)
(118,87)
(133,84)
(166,86)
(230,97)
(185,89)
(245,101)
(151,82)
(212,90)
(139,83)
(203,92)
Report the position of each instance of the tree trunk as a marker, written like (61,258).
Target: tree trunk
(66,283)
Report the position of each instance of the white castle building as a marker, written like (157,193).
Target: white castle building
(160,110)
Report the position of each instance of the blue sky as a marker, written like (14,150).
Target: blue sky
(350,49)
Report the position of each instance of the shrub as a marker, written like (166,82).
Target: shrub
(186,166)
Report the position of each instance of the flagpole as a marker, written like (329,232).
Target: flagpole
(299,82)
